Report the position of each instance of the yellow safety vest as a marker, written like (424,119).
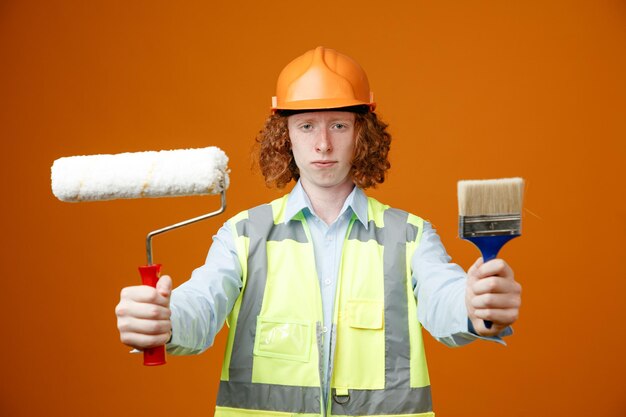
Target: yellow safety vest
(272,364)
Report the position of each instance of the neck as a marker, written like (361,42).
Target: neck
(327,202)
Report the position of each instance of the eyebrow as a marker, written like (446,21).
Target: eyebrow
(336,119)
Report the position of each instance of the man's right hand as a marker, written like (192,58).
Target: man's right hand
(143,314)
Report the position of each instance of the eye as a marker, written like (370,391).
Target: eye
(306,126)
(340,126)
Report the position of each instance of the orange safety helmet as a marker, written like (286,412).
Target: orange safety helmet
(322,79)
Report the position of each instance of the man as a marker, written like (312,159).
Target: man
(324,289)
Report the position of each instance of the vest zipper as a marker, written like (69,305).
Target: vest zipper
(320,356)
(318,325)
(333,340)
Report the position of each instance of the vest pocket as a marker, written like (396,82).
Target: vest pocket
(360,348)
(283,339)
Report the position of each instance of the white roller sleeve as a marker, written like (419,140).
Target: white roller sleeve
(140,174)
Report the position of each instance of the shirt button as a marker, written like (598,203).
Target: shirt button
(327,281)
(324,329)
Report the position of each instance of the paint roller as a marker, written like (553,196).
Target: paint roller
(170,173)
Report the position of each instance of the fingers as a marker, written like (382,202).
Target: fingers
(502,316)
(132,325)
(472,272)
(142,310)
(502,309)
(143,314)
(496,301)
(145,294)
(495,267)
(143,325)
(143,341)
(492,294)
(496,285)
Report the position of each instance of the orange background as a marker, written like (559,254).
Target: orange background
(471,89)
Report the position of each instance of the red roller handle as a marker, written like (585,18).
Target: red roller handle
(149,276)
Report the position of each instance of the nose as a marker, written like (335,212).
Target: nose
(323,143)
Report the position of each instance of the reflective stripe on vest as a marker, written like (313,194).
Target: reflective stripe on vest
(263,227)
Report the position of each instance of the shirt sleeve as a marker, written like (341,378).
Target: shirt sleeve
(439,287)
(200,305)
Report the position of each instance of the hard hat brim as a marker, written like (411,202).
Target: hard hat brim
(321,104)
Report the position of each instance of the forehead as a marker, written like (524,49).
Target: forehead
(325,115)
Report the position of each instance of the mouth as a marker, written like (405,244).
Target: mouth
(323,163)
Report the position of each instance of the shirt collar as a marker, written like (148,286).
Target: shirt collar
(298,201)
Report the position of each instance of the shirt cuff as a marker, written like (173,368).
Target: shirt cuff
(498,338)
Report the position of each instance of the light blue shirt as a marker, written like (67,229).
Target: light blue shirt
(200,305)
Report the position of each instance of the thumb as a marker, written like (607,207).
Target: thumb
(473,270)
(164,286)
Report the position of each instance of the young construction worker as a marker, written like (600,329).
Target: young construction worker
(325,290)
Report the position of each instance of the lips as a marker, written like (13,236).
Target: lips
(323,163)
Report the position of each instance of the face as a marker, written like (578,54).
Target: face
(323,146)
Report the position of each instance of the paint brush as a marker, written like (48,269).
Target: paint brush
(490,214)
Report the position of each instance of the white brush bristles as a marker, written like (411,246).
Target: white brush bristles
(140,174)
(490,197)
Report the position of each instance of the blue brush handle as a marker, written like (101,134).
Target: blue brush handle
(489,246)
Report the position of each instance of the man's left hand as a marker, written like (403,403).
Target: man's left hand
(492,294)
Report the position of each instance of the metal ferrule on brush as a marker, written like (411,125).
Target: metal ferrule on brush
(491,225)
